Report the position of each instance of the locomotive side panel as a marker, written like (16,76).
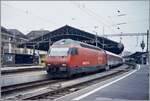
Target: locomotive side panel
(83,61)
(102,58)
(87,60)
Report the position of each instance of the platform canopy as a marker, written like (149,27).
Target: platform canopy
(136,55)
(65,32)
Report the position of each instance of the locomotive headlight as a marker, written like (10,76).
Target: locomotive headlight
(64,65)
(48,64)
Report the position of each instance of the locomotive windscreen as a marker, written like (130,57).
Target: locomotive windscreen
(58,51)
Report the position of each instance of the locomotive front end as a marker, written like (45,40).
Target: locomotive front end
(57,61)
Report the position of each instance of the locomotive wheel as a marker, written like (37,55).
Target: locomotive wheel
(107,67)
(68,75)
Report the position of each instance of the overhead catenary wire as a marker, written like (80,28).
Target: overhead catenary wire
(84,9)
(91,14)
(97,16)
(30,13)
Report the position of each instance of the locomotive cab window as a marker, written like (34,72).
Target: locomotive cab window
(73,51)
(58,51)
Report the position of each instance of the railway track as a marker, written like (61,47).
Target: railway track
(8,89)
(52,89)
(56,93)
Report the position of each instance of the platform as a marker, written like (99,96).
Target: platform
(133,85)
(20,68)
(24,77)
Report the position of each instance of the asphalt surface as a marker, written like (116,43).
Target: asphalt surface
(133,85)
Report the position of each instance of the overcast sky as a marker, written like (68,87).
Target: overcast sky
(50,15)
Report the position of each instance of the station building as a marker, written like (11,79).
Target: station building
(138,57)
(10,39)
(10,52)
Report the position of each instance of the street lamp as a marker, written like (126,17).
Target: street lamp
(96,35)
(103,37)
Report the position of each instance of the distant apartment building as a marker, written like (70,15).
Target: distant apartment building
(11,53)
(36,33)
(11,38)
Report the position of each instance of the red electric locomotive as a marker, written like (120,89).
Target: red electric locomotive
(67,57)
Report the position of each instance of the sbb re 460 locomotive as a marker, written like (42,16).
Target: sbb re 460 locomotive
(67,57)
